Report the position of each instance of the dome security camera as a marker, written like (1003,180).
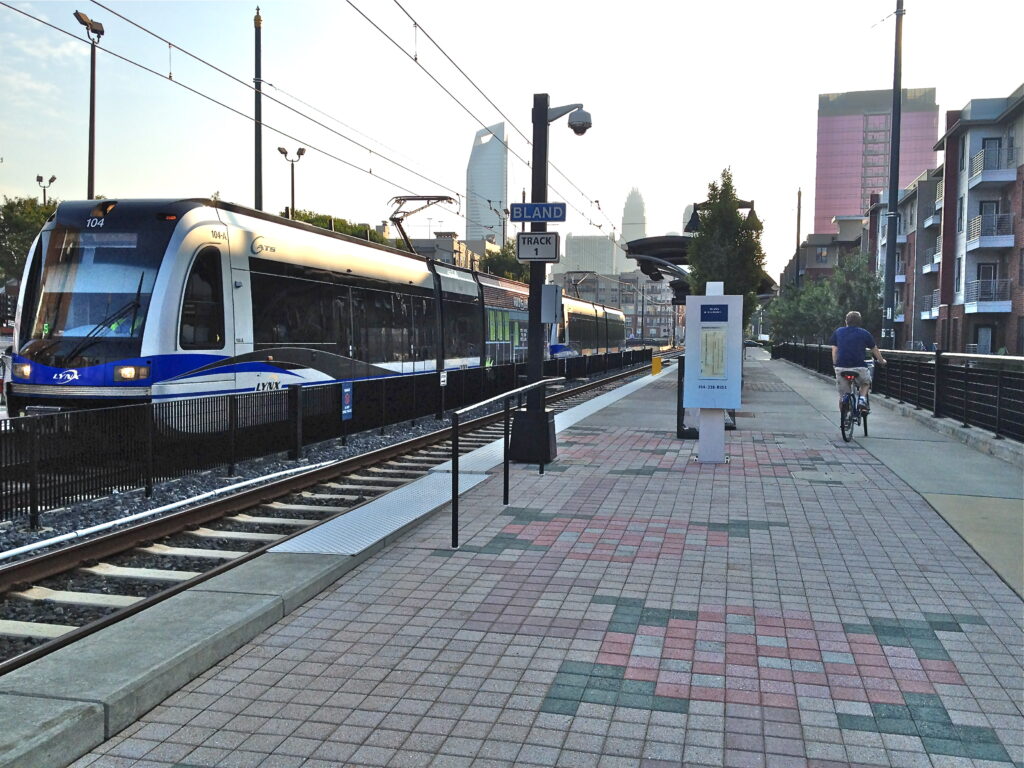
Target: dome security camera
(580,121)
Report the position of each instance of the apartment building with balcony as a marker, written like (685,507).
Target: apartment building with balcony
(917,253)
(978,298)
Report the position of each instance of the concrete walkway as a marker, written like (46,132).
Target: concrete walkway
(802,605)
(980,496)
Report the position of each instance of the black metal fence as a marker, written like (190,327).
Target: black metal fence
(985,391)
(54,460)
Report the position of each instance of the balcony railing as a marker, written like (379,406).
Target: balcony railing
(987,290)
(933,254)
(990,225)
(994,159)
(938,195)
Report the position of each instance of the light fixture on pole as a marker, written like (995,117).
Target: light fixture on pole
(94,30)
(39,181)
(533,432)
(298,156)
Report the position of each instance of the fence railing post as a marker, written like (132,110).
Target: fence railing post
(966,395)
(505,443)
(150,426)
(232,433)
(999,402)
(383,403)
(35,439)
(455,480)
(936,387)
(917,386)
(295,415)
(899,382)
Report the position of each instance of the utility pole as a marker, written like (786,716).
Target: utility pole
(889,283)
(258,82)
(798,203)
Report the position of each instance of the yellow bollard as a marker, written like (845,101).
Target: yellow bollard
(655,366)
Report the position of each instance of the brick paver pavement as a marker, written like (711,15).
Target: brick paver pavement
(799,606)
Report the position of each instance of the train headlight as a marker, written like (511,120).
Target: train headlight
(131,372)
(23,370)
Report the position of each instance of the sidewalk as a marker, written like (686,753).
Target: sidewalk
(802,605)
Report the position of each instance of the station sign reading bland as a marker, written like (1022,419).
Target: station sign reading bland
(537,246)
(537,212)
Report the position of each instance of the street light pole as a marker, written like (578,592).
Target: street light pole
(39,181)
(298,156)
(94,31)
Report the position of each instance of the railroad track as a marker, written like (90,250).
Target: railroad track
(51,600)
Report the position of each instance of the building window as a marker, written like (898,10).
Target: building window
(1020,335)
(956,274)
(821,255)
(1020,268)
(960,214)
(963,152)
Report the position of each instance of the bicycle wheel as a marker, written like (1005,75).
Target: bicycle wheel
(846,419)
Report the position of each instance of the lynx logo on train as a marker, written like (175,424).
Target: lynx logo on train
(66,377)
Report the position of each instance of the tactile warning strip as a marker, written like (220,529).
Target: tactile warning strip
(366,525)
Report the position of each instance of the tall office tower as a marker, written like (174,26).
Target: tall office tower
(634,220)
(853,148)
(486,184)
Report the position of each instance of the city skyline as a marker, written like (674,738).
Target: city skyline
(157,139)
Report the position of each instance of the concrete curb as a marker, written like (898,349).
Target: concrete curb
(981,440)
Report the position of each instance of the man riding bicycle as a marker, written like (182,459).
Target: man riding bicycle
(848,345)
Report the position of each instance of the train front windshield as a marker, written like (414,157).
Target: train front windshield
(91,284)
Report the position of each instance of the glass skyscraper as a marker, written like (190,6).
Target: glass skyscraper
(486,184)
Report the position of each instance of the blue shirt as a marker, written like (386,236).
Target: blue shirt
(852,341)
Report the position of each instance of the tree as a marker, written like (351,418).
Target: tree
(856,287)
(336,224)
(727,246)
(21,218)
(505,264)
(814,310)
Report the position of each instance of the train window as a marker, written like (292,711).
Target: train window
(424,328)
(202,310)
(462,332)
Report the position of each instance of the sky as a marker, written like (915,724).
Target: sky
(678,91)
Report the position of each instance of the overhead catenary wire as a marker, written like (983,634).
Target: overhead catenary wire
(454,98)
(507,119)
(250,87)
(279,131)
(362,146)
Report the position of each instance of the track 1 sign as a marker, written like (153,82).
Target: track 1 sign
(537,246)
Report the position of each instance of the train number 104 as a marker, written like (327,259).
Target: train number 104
(97,223)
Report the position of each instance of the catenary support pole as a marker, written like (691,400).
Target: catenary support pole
(892,222)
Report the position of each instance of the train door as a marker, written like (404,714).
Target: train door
(205,328)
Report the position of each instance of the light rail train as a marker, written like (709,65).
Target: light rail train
(128,301)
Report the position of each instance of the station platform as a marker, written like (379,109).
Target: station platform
(809,603)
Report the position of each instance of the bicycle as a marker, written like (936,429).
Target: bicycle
(850,412)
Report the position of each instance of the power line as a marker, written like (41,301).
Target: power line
(507,119)
(469,112)
(368,171)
